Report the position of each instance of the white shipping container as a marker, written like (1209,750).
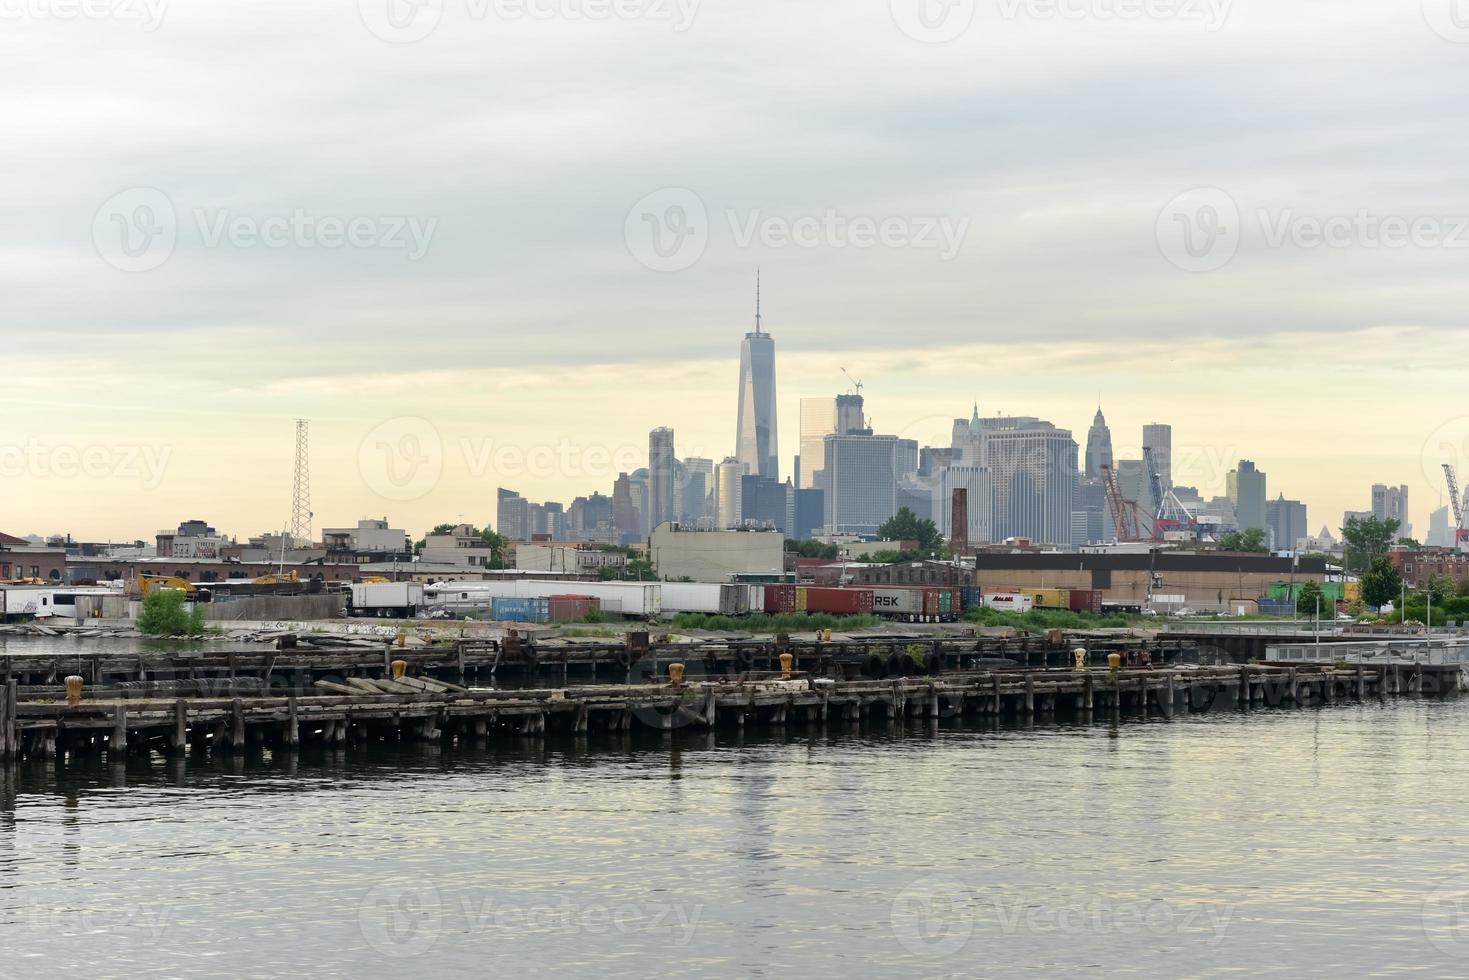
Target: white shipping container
(1009,601)
(641,599)
(897,602)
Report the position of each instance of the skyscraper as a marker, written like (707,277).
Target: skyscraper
(861,482)
(662,503)
(1159,439)
(755,434)
(1391,504)
(818,420)
(1286,521)
(1098,446)
(698,491)
(1246,488)
(1033,477)
(850,417)
(727,493)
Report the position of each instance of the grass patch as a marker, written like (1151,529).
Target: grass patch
(773,622)
(1040,620)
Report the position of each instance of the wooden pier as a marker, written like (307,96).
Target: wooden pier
(359,709)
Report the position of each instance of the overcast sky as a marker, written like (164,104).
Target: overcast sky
(494,242)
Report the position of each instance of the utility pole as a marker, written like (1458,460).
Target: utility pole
(301,489)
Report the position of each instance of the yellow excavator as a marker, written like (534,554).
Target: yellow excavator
(149,583)
(281,578)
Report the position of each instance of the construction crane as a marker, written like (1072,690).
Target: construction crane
(1461,534)
(1126,515)
(1166,518)
(856,385)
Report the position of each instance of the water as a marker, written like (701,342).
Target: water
(1294,842)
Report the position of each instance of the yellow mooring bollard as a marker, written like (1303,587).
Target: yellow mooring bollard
(402,639)
(1080,654)
(73,690)
(400,667)
(786,663)
(1114,660)
(675,673)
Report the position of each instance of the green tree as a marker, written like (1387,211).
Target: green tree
(813,549)
(1366,539)
(1250,540)
(1381,583)
(166,613)
(1307,598)
(641,570)
(907,526)
(1441,589)
(496,543)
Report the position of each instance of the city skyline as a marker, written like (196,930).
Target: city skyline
(453,495)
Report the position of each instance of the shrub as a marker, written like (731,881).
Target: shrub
(166,613)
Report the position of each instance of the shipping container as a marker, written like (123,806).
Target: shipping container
(969,597)
(898,603)
(1049,598)
(573,608)
(1086,600)
(780,598)
(844,602)
(1009,601)
(706,597)
(512,609)
(635,599)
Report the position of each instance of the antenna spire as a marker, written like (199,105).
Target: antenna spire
(757,299)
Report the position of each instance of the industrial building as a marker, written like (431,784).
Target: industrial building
(1206,581)
(715,556)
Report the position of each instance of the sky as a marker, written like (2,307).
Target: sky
(485,243)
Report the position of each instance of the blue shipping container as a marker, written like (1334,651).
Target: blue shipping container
(507,609)
(969,596)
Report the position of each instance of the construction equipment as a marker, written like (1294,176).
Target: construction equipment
(856,385)
(279,578)
(1171,514)
(1461,533)
(1127,516)
(147,584)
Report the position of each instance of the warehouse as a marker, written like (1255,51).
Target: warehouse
(1206,581)
(715,556)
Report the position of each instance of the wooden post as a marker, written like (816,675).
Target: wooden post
(6,751)
(999,704)
(1087,683)
(460,648)
(293,724)
(1169,695)
(180,726)
(1294,684)
(119,741)
(237,723)
(1361,681)
(1142,693)
(1029,694)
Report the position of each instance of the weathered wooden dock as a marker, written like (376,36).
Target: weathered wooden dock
(483,661)
(360,709)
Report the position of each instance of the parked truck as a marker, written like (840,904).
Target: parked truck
(388,600)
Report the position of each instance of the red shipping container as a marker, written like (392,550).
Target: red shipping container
(1086,600)
(845,602)
(573,608)
(780,598)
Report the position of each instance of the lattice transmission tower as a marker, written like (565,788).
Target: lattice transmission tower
(301,490)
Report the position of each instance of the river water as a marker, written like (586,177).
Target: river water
(1292,842)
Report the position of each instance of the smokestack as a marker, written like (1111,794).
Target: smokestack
(959,523)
